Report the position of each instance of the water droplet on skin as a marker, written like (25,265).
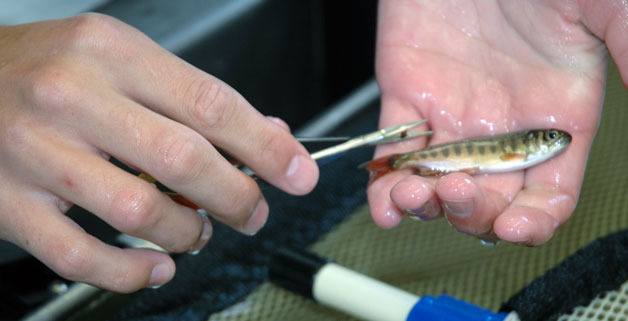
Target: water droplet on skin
(425,96)
(412,45)
(462,187)
(415,192)
(518,228)
(556,179)
(454,121)
(563,203)
(574,126)
(467,32)
(489,125)
(558,199)
(464,182)
(391,217)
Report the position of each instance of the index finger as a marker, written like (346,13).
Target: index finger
(383,209)
(172,87)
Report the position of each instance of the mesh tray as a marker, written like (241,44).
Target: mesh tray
(430,258)
(610,306)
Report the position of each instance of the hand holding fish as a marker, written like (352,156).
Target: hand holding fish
(481,69)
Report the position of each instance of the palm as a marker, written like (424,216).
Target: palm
(485,67)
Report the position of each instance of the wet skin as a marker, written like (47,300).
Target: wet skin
(477,68)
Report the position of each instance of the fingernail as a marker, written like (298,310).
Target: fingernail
(461,209)
(161,274)
(300,174)
(205,235)
(428,211)
(257,219)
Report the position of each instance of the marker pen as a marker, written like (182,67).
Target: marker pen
(366,298)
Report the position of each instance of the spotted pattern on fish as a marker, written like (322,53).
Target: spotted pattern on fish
(504,146)
(540,136)
(457,150)
(494,154)
(469,147)
(513,143)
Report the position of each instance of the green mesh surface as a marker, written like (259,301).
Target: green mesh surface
(431,258)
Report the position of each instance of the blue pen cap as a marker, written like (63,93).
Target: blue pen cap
(446,308)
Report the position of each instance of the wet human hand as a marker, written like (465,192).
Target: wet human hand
(477,68)
(74,92)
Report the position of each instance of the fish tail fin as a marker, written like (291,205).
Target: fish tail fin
(182,200)
(378,167)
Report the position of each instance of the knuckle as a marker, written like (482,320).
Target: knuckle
(209,103)
(92,30)
(95,21)
(133,123)
(16,137)
(239,206)
(270,147)
(73,260)
(53,88)
(179,159)
(135,210)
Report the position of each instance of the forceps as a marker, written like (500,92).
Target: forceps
(391,134)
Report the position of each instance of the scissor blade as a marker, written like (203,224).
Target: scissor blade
(337,149)
(391,134)
(398,133)
(323,139)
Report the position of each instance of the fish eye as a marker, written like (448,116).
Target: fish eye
(552,134)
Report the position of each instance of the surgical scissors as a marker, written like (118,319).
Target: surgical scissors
(391,134)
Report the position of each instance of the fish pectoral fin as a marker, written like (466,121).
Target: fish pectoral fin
(471,171)
(426,171)
(512,156)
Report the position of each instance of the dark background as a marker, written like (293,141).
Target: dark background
(290,59)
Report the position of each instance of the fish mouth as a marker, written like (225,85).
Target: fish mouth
(563,141)
(567,136)
(566,139)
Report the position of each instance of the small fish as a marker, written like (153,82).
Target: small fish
(495,154)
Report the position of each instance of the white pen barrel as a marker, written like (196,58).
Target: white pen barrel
(361,296)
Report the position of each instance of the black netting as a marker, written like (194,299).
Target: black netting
(232,265)
(599,267)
